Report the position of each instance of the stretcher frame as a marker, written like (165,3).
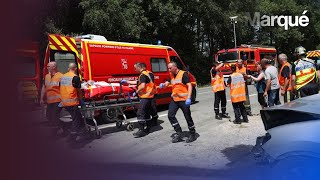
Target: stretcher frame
(120,104)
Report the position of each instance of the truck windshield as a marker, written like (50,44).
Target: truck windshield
(228,57)
(26,67)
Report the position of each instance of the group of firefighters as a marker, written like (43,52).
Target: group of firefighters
(64,91)
(293,81)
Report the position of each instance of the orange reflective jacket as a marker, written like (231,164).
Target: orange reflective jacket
(243,70)
(52,86)
(69,94)
(217,82)
(237,88)
(150,89)
(282,79)
(179,90)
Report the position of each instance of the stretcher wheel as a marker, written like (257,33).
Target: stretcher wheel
(98,134)
(119,124)
(130,127)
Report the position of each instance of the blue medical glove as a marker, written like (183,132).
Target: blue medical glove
(188,102)
(134,94)
(161,85)
(123,81)
(60,105)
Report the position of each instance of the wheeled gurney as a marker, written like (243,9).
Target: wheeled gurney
(112,106)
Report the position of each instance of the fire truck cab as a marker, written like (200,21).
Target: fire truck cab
(250,54)
(101,60)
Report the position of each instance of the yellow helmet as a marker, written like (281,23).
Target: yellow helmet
(300,50)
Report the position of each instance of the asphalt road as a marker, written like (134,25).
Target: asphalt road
(221,147)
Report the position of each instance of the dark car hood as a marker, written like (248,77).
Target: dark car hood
(299,110)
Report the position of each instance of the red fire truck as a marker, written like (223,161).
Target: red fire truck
(249,53)
(109,61)
(28,72)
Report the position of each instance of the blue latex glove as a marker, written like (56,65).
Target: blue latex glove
(60,105)
(188,102)
(123,81)
(161,85)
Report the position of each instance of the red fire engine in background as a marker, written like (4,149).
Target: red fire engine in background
(28,72)
(249,53)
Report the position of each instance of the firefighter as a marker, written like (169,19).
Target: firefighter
(71,97)
(146,91)
(243,70)
(304,74)
(238,95)
(50,94)
(218,87)
(181,98)
(285,78)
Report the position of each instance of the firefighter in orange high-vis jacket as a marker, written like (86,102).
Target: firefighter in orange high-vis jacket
(181,99)
(50,94)
(238,95)
(285,78)
(240,68)
(218,87)
(147,113)
(71,97)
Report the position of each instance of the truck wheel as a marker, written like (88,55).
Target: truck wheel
(194,95)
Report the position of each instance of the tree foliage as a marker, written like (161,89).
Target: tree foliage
(195,28)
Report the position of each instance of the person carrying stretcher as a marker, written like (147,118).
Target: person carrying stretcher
(146,91)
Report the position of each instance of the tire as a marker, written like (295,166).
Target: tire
(130,127)
(194,95)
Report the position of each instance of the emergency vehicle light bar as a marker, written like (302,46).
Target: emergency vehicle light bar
(92,37)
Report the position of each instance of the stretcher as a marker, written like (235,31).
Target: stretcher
(111,105)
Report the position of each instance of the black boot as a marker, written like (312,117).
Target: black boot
(218,117)
(191,138)
(154,120)
(237,121)
(225,115)
(176,137)
(141,132)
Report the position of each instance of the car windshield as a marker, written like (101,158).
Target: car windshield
(228,57)
(26,67)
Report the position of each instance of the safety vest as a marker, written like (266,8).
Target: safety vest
(243,70)
(217,82)
(282,79)
(179,90)
(52,86)
(305,72)
(150,89)
(237,88)
(69,95)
